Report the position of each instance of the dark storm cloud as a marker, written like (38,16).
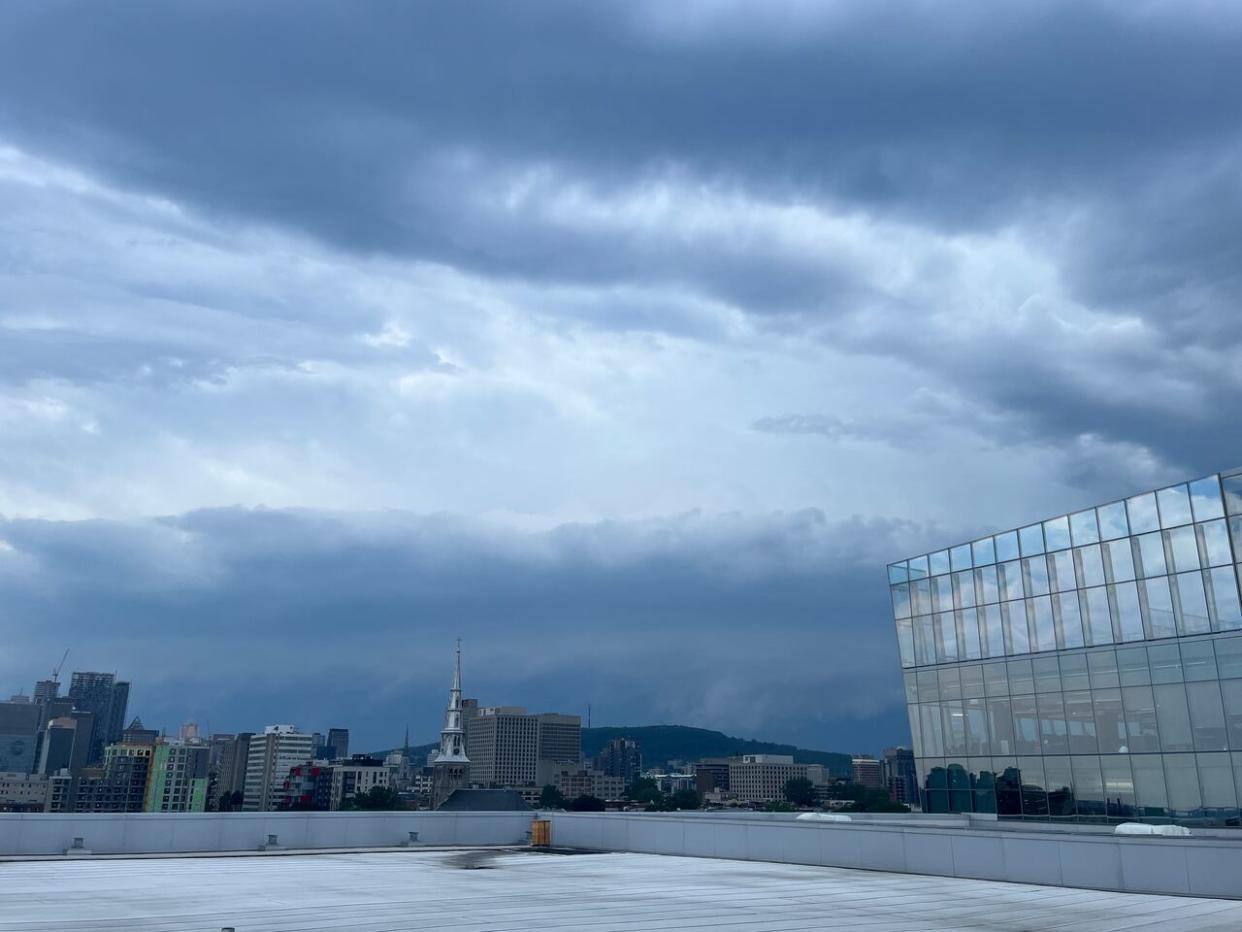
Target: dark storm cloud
(454,132)
(698,618)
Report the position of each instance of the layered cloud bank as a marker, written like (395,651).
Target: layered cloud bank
(615,292)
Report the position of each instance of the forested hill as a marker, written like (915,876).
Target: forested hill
(662,743)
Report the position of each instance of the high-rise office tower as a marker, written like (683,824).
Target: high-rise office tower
(900,776)
(268,761)
(1087,667)
(232,765)
(19,732)
(338,741)
(46,690)
(866,771)
(623,757)
(107,698)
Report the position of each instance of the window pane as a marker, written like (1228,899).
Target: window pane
(1173,717)
(986,590)
(1110,722)
(939,562)
(1018,640)
(929,685)
(1098,625)
(950,682)
(1056,534)
(1228,613)
(1161,622)
(964,589)
(1129,621)
(1040,613)
(1084,528)
(1068,620)
(1011,581)
(968,637)
(994,638)
(1052,731)
(942,593)
(1174,506)
(946,637)
(1220,798)
(1214,536)
(1102,665)
(924,639)
(1132,666)
(1113,523)
(920,596)
(978,741)
(1090,566)
(959,557)
(1118,787)
(1165,662)
(1000,726)
(954,729)
(1151,555)
(1080,723)
(1088,787)
(905,641)
(1142,513)
(1231,693)
(901,600)
(1149,790)
(983,551)
(1025,724)
(1006,546)
(1031,539)
(1021,679)
(1140,706)
(972,682)
(897,573)
(1182,779)
(1229,657)
(1198,661)
(1074,671)
(918,568)
(1047,673)
(1193,617)
(1205,499)
(1207,716)
(1061,567)
(1184,546)
(995,679)
(1120,560)
(1035,575)
(932,729)
(1232,488)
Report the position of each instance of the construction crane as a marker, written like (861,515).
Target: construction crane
(60,666)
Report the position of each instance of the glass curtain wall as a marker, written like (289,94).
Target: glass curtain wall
(1087,667)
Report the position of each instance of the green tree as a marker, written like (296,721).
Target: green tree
(551,798)
(800,791)
(644,790)
(587,804)
(685,799)
(377,798)
(779,805)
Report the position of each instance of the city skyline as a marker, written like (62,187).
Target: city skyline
(625,341)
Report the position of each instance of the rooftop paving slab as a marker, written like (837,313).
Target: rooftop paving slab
(480,890)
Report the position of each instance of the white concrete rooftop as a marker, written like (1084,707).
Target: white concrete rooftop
(425,890)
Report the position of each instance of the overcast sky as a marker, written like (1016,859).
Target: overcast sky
(626,341)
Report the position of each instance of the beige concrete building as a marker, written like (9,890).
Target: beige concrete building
(761,778)
(269,758)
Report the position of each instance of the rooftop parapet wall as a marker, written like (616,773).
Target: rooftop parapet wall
(38,834)
(1097,860)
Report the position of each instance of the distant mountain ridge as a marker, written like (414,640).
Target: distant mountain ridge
(663,743)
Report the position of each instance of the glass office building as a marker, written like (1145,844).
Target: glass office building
(1083,668)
